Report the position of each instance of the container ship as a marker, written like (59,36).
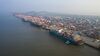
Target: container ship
(67,36)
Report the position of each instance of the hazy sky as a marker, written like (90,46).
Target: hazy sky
(91,7)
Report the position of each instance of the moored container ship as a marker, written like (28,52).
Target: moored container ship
(67,36)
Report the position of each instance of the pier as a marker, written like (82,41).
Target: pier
(91,42)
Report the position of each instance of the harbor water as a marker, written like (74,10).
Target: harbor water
(18,38)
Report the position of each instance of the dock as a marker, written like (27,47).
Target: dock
(91,42)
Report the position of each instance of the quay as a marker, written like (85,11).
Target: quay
(91,42)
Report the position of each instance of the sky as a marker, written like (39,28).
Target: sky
(81,7)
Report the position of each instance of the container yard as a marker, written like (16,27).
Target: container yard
(70,30)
